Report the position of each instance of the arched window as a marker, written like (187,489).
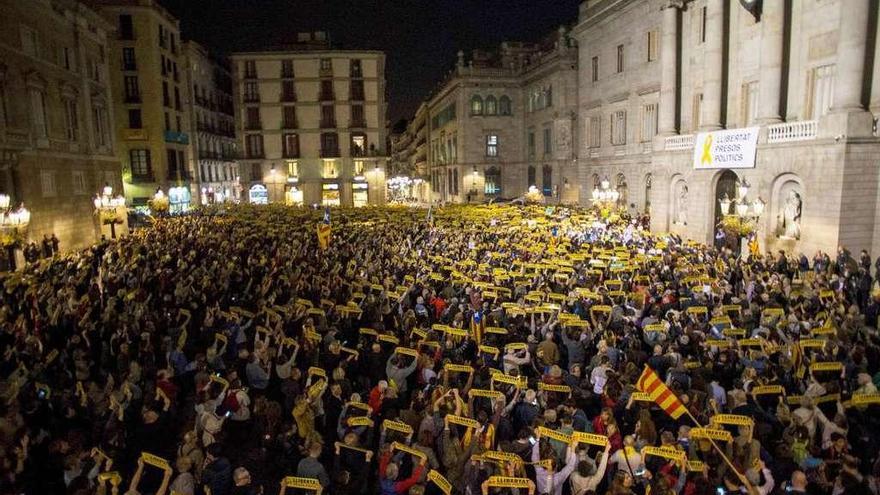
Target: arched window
(476,105)
(455,181)
(504,105)
(493,181)
(547,180)
(532,179)
(491,105)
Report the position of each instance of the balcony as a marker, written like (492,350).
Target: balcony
(253,126)
(326,96)
(176,137)
(328,123)
(252,98)
(358,123)
(132,98)
(330,152)
(287,97)
(787,132)
(679,143)
(356,96)
(250,74)
(287,124)
(135,135)
(287,74)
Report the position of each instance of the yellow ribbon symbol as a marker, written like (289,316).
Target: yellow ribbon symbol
(707,151)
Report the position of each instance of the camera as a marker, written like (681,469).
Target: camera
(228,414)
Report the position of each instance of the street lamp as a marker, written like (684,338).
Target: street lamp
(13,226)
(160,202)
(108,208)
(605,197)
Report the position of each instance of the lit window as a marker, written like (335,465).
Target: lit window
(330,171)
(476,105)
(492,145)
(491,105)
(292,168)
(358,167)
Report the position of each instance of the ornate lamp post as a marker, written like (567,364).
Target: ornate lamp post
(13,226)
(605,196)
(159,203)
(744,219)
(109,209)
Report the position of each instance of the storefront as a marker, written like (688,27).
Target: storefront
(293,196)
(258,194)
(360,194)
(330,194)
(179,199)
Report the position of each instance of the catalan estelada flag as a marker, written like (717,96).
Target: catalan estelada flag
(324,231)
(652,385)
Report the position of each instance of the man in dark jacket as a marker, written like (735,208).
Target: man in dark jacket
(217,474)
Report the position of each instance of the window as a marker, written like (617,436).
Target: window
(330,171)
(357,116)
(355,68)
(491,105)
(287,68)
(47,183)
(476,105)
(128,59)
(164,65)
(531,144)
(532,174)
(288,91)
(358,168)
(619,59)
(176,98)
(595,137)
(292,168)
(548,141)
(291,145)
(326,90)
(163,36)
(504,105)
(250,69)
(493,181)
(78,179)
(251,92)
(100,127)
(649,121)
(38,110)
(547,180)
(141,167)
(167,122)
(71,117)
(126,27)
(326,64)
(357,90)
(166,95)
(703,25)
(358,144)
(697,110)
(254,145)
(455,182)
(132,90)
(653,44)
(329,144)
(595,69)
(4,115)
(30,43)
(821,90)
(328,116)
(69,59)
(492,145)
(750,102)
(253,118)
(288,117)
(256,171)
(618,127)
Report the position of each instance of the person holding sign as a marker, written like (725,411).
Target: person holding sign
(549,479)
(389,471)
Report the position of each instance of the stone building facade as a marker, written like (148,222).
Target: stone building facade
(657,76)
(148,75)
(311,124)
(56,140)
(213,145)
(505,120)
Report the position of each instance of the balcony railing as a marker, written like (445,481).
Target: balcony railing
(358,123)
(288,124)
(786,132)
(288,96)
(329,152)
(176,137)
(328,123)
(253,126)
(135,134)
(678,143)
(252,98)
(326,96)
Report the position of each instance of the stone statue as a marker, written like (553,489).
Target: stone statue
(682,205)
(790,216)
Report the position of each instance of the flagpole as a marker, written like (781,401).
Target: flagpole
(741,476)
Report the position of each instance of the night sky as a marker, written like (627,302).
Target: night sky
(420,38)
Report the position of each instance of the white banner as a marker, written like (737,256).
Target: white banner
(734,148)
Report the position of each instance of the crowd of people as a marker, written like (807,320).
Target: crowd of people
(465,350)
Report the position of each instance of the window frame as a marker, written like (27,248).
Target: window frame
(492,145)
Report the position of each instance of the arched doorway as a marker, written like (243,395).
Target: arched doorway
(726,186)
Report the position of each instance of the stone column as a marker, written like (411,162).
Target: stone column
(849,75)
(713,64)
(772,19)
(668,66)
